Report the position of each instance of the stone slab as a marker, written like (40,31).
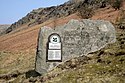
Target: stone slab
(77,38)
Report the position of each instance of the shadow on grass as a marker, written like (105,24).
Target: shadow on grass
(32,73)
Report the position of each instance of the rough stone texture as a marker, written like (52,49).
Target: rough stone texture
(78,38)
(3,28)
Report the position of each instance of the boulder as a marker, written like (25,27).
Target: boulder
(76,38)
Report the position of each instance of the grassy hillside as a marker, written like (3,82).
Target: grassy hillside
(106,65)
(18,52)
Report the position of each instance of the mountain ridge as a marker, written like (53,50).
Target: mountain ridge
(40,15)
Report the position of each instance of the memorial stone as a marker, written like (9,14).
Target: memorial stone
(74,39)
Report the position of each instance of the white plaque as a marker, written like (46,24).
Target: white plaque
(54,48)
(54,45)
(54,54)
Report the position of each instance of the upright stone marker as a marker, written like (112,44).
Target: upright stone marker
(71,40)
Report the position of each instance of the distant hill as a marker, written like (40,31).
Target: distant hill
(22,35)
(40,15)
(3,28)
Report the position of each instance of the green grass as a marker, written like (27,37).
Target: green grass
(105,66)
(95,72)
(10,62)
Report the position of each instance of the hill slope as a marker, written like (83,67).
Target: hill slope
(24,37)
(39,16)
(18,48)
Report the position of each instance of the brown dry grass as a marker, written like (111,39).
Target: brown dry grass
(27,38)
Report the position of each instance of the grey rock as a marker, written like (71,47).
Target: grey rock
(3,28)
(78,38)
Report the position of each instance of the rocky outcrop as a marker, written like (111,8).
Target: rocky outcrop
(3,29)
(76,37)
(41,15)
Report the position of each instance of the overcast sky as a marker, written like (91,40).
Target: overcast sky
(13,10)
